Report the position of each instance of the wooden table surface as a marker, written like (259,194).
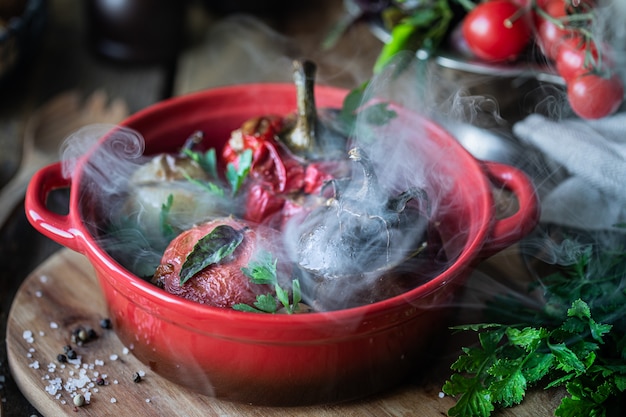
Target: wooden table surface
(219,49)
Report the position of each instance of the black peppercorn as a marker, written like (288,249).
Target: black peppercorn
(91,333)
(136,377)
(61,358)
(71,354)
(105,323)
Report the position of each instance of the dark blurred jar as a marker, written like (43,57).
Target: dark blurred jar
(252,6)
(136,31)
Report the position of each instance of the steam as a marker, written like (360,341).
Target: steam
(123,145)
(241,49)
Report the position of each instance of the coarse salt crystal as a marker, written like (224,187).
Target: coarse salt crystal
(125,351)
(27,334)
(54,386)
(113,357)
(76,362)
(113,400)
(98,362)
(54,325)
(441,395)
(38,294)
(34,365)
(43,278)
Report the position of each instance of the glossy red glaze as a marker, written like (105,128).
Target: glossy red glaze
(282,359)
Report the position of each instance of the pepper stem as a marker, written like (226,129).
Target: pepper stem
(370,190)
(302,138)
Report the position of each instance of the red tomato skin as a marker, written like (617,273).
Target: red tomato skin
(593,97)
(218,285)
(570,60)
(548,35)
(487,35)
(549,38)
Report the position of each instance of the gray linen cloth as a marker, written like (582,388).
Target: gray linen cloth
(593,195)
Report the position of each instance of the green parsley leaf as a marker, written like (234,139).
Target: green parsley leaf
(207,160)
(237,174)
(527,338)
(475,400)
(262,270)
(266,303)
(510,383)
(220,243)
(166,228)
(566,359)
(576,340)
(208,186)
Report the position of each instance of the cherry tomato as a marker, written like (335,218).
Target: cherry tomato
(549,36)
(592,96)
(576,57)
(496,30)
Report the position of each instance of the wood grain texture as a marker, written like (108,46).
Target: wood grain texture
(62,294)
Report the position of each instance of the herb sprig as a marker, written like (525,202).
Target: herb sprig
(354,106)
(577,340)
(235,175)
(219,244)
(263,271)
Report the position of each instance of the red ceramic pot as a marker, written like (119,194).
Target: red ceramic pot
(287,359)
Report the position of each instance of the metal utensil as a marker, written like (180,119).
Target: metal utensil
(485,144)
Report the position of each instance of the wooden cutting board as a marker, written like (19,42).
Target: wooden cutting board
(62,294)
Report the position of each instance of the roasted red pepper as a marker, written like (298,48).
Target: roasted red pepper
(284,151)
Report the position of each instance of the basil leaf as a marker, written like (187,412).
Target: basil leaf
(211,249)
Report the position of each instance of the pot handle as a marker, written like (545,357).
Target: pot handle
(509,230)
(58,227)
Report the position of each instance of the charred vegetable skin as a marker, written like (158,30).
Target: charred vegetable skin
(364,220)
(361,232)
(286,165)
